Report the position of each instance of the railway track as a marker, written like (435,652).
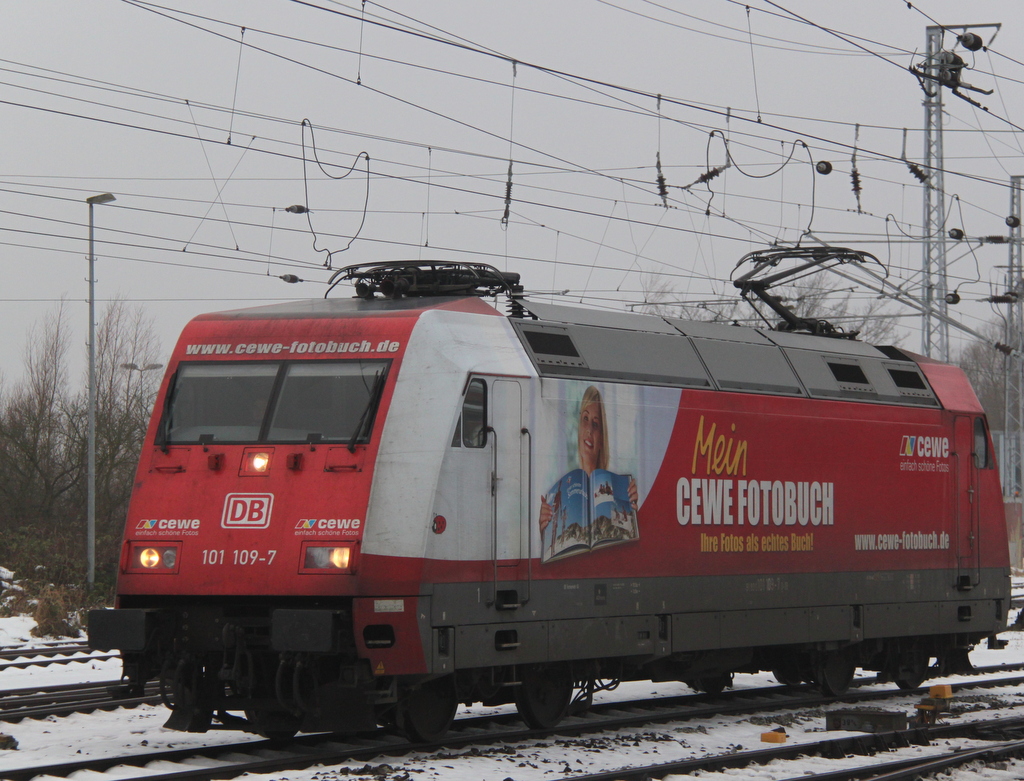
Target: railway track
(842,748)
(263,756)
(38,702)
(52,648)
(53,653)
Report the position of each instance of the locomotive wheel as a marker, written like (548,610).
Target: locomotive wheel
(911,672)
(788,675)
(834,673)
(426,712)
(714,684)
(543,695)
(274,724)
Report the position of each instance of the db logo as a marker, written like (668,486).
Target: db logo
(247,511)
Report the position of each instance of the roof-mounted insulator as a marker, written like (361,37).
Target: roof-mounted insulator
(516,309)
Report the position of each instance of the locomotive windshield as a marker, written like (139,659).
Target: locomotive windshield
(330,401)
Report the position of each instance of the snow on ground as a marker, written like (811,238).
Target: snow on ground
(17,631)
(129,731)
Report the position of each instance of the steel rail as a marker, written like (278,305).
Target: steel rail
(305,751)
(53,649)
(41,702)
(47,655)
(867,745)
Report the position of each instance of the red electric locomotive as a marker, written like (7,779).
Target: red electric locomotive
(363,511)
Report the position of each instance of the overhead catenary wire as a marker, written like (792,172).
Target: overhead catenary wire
(762,40)
(540,68)
(238,74)
(950,171)
(511,146)
(411,176)
(221,23)
(753,67)
(257,257)
(329,254)
(628,221)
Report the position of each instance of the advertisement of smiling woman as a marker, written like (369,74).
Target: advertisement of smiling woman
(603,456)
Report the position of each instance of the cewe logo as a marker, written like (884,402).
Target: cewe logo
(247,511)
(169,524)
(907,446)
(925,447)
(339,524)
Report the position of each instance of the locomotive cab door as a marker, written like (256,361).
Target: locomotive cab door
(508,487)
(966,504)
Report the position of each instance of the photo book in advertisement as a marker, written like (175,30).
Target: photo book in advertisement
(588,512)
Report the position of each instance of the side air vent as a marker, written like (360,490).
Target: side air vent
(848,373)
(851,378)
(551,343)
(909,380)
(551,346)
(911,384)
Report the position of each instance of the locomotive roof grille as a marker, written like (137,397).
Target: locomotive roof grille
(416,278)
(577,343)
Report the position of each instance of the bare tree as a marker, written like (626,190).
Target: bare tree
(43,442)
(125,346)
(873,321)
(660,298)
(986,369)
(816,298)
(39,464)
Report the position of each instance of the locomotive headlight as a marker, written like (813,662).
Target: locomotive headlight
(256,461)
(149,558)
(340,557)
(158,558)
(327,558)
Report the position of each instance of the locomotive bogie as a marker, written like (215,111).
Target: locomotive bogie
(364,512)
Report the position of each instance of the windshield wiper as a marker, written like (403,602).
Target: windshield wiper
(371,404)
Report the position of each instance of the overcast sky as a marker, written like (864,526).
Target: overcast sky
(197,129)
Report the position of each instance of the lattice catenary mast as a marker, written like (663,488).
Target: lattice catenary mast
(940,69)
(934,330)
(1014,375)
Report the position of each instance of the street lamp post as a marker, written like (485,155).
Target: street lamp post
(90,518)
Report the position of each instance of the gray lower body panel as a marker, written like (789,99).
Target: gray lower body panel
(656,617)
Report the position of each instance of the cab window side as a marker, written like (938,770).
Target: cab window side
(982,457)
(474,414)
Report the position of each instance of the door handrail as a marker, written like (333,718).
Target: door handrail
(524,431)
(494,514)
